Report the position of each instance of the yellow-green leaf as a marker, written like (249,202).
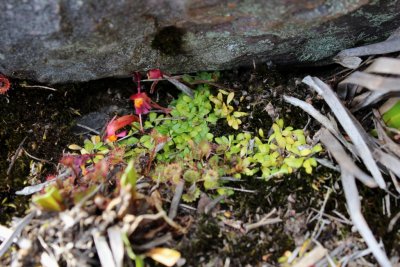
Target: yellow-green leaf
(230,97)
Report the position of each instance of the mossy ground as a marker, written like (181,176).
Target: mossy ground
(212,240)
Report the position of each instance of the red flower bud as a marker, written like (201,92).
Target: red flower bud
(154,74)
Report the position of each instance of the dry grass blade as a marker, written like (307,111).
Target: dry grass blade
(103,250)
(48,261)
(5,232)
(327,123)
(373,82)
(349,126)
(175,200)
(313,112)
(182,87)
(264,221)
(354,207)
(389,46)
(345,162)
(389,161)
(385,65)
(29,190)
(367,98)
(14,158)
(117,245)
(17,231)
(312,257)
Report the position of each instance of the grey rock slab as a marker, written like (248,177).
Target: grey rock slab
(59,41)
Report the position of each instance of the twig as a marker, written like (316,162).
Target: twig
(185,206)
(155,242)
(264,221)
(171,119)
(341,220)
(20,226)
(14,158)
(320,224)
(88,128)
(354,206)
(38,86)
(239,189)
(210,206)
(393,221)
(175,200)
(28,190)
(38,159)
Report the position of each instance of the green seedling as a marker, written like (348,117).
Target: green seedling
(93,146)
(130,176)
(51,200)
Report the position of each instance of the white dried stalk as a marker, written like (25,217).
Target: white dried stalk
(348,125)
(373,82)
(389,161)
(103,250)
(354,207)
(17,231)
(182,87)
(367,98)
(312,257)
(327,123)
(117,245)
(385,65)
(29,190)
(343,159)
(389,46)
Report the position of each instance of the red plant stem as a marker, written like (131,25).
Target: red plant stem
(137,78)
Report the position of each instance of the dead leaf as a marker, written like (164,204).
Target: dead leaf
(166,256)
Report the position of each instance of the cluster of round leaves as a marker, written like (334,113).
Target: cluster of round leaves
(188,121)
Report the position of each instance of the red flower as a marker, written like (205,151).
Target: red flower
(141,102)
(4,84)
(116,124)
